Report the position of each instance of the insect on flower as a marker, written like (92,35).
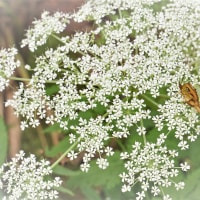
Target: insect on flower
(190,95)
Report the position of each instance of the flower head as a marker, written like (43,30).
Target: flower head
(43,28)
(8,64)
(24,178)
(152,166)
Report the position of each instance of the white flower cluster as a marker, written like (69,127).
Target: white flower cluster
(43,28)
(97,10)
(23,178)
(8,64)
(152,166)
(108,78)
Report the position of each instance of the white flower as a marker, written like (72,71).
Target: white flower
(72,138)
(155,190)
(8,64)
(102,163)
(167,197)
(126,188)
(85,167)
(109,151)
(183,145)
(141,130)
(151,166)
(24,178)
(184,166)
(140,195)
(72,155)
(179,185)
(124,155)
(23,125)
(43,28)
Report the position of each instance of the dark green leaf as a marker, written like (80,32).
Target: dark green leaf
(100,109)
(52,89)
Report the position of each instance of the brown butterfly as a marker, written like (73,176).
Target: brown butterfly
(190,95)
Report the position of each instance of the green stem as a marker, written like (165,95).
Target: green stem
(119,142)
(28,79)
(64,154)
(150,100)
(57,38)
(164,96)
(120,13)
(144,138)
(143,135)
(19,79)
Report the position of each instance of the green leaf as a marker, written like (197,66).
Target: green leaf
(3,141)
(52,128)
(100,109)
(63,171)
(116,194)
(58,149)
(65,190)
(50,90)
(156,198)
(86,114)
(90,193)
(194,153)
(192,188)
(107,178)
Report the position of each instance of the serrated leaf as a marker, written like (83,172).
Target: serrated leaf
(3,141)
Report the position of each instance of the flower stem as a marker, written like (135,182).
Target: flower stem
(150,100)
(143,135)
(28,79)
(64,154)
(19,79)
(57,38)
